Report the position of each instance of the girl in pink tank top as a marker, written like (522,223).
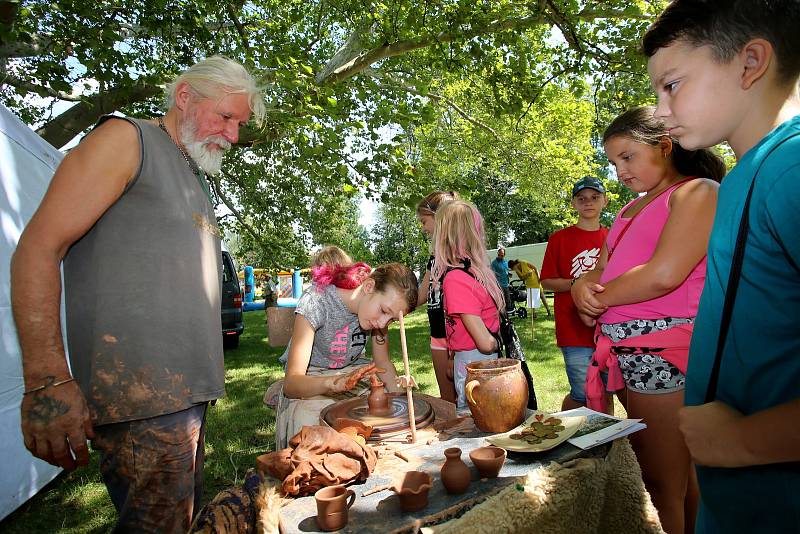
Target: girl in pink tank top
(643,298)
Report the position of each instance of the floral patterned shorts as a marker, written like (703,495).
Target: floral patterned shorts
(643,369)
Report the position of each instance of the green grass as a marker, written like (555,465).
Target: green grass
(240,427)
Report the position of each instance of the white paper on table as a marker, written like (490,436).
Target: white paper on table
(608,429)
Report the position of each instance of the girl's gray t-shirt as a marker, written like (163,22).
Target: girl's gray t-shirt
(338,338)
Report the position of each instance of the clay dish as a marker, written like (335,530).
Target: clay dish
(412,488)
(488,460)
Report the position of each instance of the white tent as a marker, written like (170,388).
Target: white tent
(27,163)
(533,253)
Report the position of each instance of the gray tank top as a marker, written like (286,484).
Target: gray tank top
(142,291)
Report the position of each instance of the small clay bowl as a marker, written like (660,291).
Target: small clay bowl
(412,488)
(488,460)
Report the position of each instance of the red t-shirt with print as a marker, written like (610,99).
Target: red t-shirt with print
(570,253)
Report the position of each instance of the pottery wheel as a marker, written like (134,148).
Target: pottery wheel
(394,422)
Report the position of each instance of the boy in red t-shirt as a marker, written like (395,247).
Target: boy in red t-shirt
(570,253)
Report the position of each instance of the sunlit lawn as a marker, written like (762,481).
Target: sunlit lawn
(240,427)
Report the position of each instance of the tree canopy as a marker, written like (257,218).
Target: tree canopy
(389,99)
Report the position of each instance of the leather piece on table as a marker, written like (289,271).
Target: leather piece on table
(318,456)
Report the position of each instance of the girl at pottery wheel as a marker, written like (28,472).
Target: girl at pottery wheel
(325,359)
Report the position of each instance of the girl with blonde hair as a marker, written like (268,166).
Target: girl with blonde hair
(440,354)
(471,296)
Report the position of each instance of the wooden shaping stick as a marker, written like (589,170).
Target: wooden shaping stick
(409,381)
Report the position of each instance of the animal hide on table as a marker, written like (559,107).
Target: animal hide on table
(319,456)
(583,496)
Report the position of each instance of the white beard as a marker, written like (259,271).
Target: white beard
(210,160)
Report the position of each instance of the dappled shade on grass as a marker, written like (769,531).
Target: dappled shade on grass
(241,428)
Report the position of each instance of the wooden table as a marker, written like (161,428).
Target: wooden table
(380,512)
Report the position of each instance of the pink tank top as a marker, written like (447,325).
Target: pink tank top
(636,248)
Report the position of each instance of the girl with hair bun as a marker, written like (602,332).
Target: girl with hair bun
(644,293)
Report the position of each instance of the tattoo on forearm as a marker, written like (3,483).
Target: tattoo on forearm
(380,340)
(45,409)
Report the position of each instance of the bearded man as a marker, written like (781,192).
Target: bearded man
(130,214)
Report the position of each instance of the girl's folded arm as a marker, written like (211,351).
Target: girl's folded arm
(484,341)
(681,246)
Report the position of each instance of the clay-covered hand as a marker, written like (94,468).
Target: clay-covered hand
(374,380)
(56,425)
(347,382)
(713,435)
(403,382)
(585,299)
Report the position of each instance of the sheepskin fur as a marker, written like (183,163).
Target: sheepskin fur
(582,496)
(253,507)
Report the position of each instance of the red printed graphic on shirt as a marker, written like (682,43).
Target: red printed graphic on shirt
(584,261)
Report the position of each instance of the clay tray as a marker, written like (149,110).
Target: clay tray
(384,426)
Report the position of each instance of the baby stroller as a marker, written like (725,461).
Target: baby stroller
(518,294)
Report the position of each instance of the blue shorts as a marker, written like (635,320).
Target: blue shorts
(576,361)
(462,358)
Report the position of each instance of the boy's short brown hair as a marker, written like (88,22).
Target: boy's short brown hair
(726,25)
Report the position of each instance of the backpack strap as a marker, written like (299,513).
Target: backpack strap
(501,350)
(732,286)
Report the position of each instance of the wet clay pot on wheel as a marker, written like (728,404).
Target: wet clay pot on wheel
(412,488)
(332,505)
(488,460)
(497,394)
(455,473)
(378,401)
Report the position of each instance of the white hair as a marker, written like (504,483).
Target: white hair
(218,74)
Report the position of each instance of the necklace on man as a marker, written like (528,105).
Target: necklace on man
(198,173)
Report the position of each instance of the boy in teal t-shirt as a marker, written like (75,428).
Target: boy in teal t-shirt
(728,71)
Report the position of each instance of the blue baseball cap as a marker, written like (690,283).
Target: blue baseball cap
(587,182)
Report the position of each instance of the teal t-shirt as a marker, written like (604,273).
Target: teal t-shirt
(500,268)
(761,361)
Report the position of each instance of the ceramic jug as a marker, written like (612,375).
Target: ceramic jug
(497,394)
(455,473)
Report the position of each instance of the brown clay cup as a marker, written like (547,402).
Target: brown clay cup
(332,505)
(488,460)
(412,488)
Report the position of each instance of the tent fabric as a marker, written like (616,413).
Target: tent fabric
(27,163)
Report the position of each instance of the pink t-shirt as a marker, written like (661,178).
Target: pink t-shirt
(636,248)
(464,294)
